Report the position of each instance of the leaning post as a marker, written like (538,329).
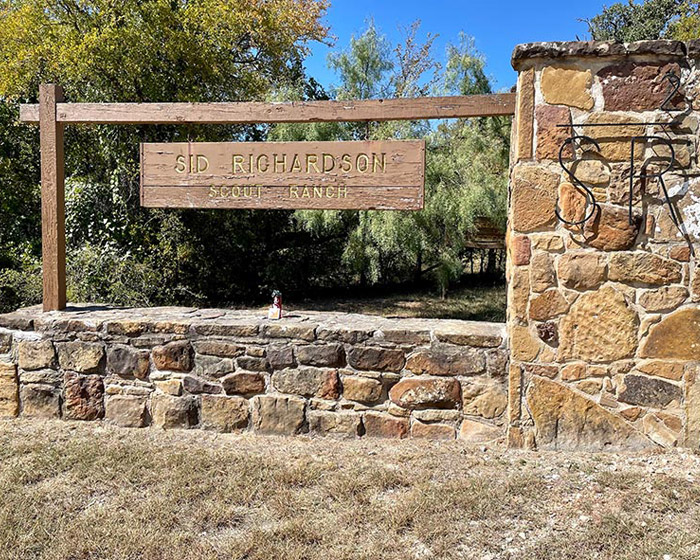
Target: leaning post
(53,199)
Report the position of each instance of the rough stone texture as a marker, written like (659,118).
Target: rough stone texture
(425,392)
(548,305)
(483,397)
(614,141)
(383,425)
(663,299)
(566,420)
(443,359)
(572,204)
(533,197)
(83,357)
(280,357)
(342,424)
(175,356)
(562,50)
(246,384)
(582,270)
(127,361)
(362,389)
(564,86)
(36,354)
(174,412)
(213,367)
(636,86)
(83,397)
(667,370)
(524,346)
(610,229)
(9,391)
(196,386)
(224,414)
(308,382)
(219,348)
(328,355)
(127,411)
(600,327)
(542,272)
(521,250)
(549,136)
(281,415)
(648,391)
(692,408)
(5,342)
(432,431)
(643,268)
(380,359)
(675,337)
(40,401)
(525,114)
(476,432)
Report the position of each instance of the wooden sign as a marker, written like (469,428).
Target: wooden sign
(381,175)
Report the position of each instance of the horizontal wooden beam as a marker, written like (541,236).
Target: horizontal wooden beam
(418,108)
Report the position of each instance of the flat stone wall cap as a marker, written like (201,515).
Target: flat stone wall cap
(693,48)
(565,49)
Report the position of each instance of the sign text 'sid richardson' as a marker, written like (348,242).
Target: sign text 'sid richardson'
(381,175)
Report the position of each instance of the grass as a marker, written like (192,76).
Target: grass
(71,491)
(475,302)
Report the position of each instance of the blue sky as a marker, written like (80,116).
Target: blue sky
(497,26)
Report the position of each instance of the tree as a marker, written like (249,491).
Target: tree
(147,51)
(467,163)
(688,25)
(626,22)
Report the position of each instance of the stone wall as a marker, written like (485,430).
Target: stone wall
(603,318)
(345,375)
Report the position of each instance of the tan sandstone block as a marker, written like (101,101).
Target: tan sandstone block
(548,305)
(663,299)
(472,431)
(542,272)
(526,113)
(676,337)
(9,391)
(600,327)
(385,425)
(534,191)
(614,141)
(483,397)
(524,346)
(581,270)
(564,86)
(643,268)
(565,419)
(224,414)
(127,411)
(432,431)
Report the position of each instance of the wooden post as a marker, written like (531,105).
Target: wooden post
(53,203)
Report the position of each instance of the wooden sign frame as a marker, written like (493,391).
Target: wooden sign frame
(52,114)
(364,175)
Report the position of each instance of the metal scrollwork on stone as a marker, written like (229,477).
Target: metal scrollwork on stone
(591,203)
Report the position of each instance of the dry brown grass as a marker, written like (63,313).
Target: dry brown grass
(86,491)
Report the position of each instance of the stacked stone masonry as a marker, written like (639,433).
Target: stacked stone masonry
(603,319)
(331,374)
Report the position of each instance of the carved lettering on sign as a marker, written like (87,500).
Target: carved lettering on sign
(386,175)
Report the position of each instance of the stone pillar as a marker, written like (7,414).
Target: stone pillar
(603,318)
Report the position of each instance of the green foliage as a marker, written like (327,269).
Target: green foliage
(688,25)
(467,162)
(147,50)
(631,21)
